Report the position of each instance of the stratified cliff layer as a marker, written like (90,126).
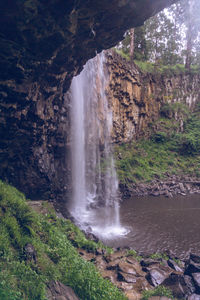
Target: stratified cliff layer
(43,45)
(136,97)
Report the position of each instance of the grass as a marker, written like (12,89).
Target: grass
(158,291)
(159,256)
(165,151)
(57,258)
(122,54)
(145,66)
(134,254)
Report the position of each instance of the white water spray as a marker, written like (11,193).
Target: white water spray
(95,200)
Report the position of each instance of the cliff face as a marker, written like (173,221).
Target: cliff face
(43,45)
(136,97)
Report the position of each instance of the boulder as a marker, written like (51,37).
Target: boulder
(134,268)
(196,278)
(116,255)
(195,258)
(177,284)
(133,295)
(148,262)
(157,275)
(159,298)
(193,297)
(192,267)
(190,283)
(129,278)
(172,264)
(58,291)
(30,253)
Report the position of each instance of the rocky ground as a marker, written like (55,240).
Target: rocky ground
(171,186)
(136,274)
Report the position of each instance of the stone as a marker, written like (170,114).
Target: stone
(148,262)
(193,297)
(113,265)
(159,298)
(172,264)
(58,291)
(100,262)
(115,255)
(177,284)
(192,267)
(182,188)
(112,276)
(157,275)
(133,295)
(195,258)
(125,286)
(134,268)
(30,253)
(196,278)
(129,278)
(190,283)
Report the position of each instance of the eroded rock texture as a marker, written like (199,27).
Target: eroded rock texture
(136,97)
(43,45)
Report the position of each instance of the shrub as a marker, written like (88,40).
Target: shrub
(189,145)
(159,137)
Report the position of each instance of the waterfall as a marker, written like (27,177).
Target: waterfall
(95,199)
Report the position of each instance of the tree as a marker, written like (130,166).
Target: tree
(163,39)
(132,31)
(169,38)
(192,13)
(187,14)
(134,43)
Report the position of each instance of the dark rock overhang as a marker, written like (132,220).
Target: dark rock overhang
(38,38)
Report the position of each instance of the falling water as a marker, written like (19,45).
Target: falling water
(95,199)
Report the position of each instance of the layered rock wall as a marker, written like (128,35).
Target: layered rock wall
(136,97)
(43,45)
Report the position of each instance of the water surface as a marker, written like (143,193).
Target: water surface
(157,224)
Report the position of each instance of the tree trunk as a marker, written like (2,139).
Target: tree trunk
(190,35)
(132,34)
(188,48)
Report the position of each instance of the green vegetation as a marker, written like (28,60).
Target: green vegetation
(158,291)
(159,256)
(160,40)
(22,277)
(158,68)
(134,254)
(166,150)
(122,53)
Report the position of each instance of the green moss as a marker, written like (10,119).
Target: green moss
(57,258)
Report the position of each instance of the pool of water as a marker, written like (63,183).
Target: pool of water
(157,224)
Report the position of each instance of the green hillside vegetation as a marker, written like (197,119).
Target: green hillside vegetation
(158,68)
(56,256)
(166,150)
